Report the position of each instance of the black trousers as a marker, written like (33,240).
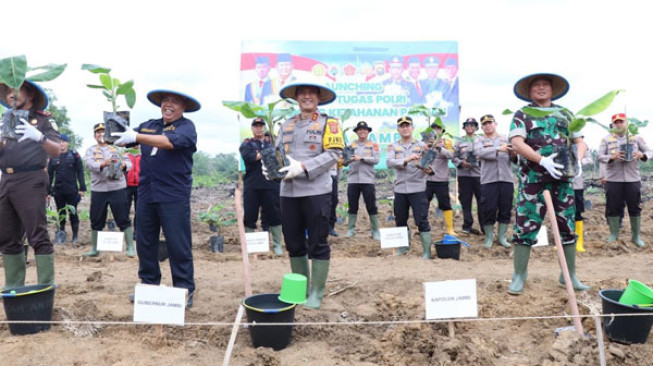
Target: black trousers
(468,188)
(117,200)
(132,195)
(354,191)
(299,214)
(579,199)
(63,200)
(496,202)
(22,212)
(420,205)
(441,191)
(620,194)
(265,199)
(334,202)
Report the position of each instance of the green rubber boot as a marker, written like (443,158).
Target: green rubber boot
(522,255)
(374,226)
(635,231)
(351,225)
(93,252)
(277,240)
(300,265)
(570,256)
(425,237)
(129,242)
(402,250)
(501,235)
(45,269)
(319,274)
(613,221)
(489,235)
(15,268)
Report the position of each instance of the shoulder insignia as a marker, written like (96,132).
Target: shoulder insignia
(353,145)
(44,113)
(246,141)
(150,130)
(376,147)
(54,125)
(315,116)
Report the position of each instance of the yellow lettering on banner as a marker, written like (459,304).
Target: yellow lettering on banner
(333,138)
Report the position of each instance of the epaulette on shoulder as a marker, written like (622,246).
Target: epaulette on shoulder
(246,141)
(44,113)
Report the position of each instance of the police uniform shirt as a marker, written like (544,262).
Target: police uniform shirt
(302,140)
(496,164)
(29,153)
(166,175)
(619,170)
(254,178)
(362,171)
(461,150)
(100,182)
(408,178)
(579,182)
(66,171)
(440,165)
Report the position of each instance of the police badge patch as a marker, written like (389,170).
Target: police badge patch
(54,125)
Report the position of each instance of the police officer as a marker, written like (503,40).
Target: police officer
(361,180)
(497,180)
(24,184)
(167,147)
(535,139)
(313,142)
(579,199)
(437,182)
(66,172)
(260,192)
(410,184)
(108,189)
(469,175)
(132,180)
(623,185)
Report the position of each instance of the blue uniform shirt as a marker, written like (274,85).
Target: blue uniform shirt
(166,175)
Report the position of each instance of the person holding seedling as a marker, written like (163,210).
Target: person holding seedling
(313,143)
(534,139)
(410,184)
(497,180)
(24,184)
(360,180)
(258,191)
(469,175)
(623,182)
(437,181)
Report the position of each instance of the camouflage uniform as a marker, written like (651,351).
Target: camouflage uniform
(543,135)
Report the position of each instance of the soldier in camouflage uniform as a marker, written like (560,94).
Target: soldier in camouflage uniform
(537,141)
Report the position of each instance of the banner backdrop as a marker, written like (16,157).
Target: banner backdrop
(379,81)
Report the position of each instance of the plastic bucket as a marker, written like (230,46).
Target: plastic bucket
(637,293)
(446,250)
(267,308)
(293,288)
(624,329)
(29,303)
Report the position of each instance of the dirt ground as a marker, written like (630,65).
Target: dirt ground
(376,287)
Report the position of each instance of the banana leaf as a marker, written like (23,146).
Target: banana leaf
(96,69)
(539,112)
(50,72)
(600,104)
(13,70)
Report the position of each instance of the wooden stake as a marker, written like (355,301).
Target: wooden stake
(599,337)
(232,339)
(243,243)
(452,330)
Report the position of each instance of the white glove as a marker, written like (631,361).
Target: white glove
(579,169)
(28,131)
(265,171)
(294,169)
(550,166)
(126,138)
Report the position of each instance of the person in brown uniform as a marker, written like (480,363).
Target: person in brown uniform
(24,184)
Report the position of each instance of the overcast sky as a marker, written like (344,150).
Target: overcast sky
(195,46)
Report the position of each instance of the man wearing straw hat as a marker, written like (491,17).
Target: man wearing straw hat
(534,139)
(313,142)
(165,182)
(24,184)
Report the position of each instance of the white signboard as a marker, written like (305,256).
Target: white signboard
(110,241)
(450,299)
(257,242)
(159,304)
(394,237)
(542,237)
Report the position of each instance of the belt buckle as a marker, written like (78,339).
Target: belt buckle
(10,170)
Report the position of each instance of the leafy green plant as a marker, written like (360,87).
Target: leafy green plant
(13,72)
(270,114)
(217,218)
(342,210)
(57,216)
(111,87)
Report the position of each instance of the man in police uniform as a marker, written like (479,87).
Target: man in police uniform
(410,184)
(260,192)
(623,185)
(107,165)
(535,139)
(469,175)
(66,171)
(361,180)
(167,148)
(497,180)
(313,142)
(437,182)
(24,184)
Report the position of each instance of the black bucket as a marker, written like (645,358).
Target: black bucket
(625,329)
(267,308)
(446,251)
(29,303)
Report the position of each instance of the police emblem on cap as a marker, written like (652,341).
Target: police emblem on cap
(404,119)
